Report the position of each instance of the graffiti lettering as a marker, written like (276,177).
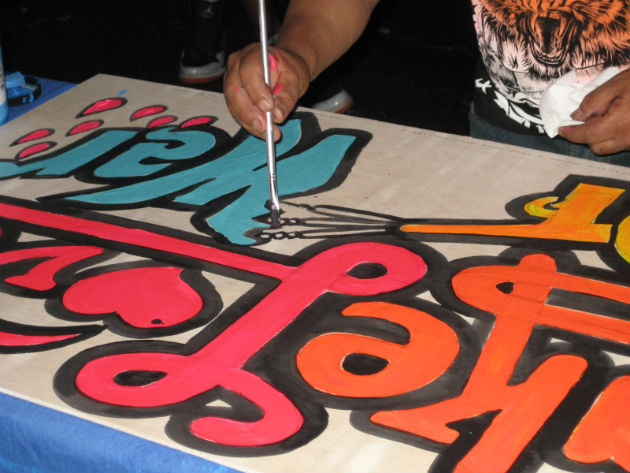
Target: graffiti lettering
(522,407)
(41,277)
(390,384)
(163,299)
(571,219)
(186,376)
(431,349)
(145,376)
(603,433)
(191,168)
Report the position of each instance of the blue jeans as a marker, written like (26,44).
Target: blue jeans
(479,128)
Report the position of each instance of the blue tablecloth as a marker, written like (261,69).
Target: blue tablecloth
(50,89)
(37,439)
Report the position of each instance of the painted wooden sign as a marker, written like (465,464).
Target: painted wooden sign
(431,302)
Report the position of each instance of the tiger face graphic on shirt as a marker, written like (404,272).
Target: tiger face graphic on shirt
(527,44)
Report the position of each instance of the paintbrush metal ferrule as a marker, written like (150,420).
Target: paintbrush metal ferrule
(274,201)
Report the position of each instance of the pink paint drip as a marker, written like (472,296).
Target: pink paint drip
(104,105)
(85,126)
(34,135)
(146,111)
(162,121)
(37,148)
(197,121)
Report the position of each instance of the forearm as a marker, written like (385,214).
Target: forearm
(320,31)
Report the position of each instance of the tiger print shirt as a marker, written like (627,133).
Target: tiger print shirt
(527,44)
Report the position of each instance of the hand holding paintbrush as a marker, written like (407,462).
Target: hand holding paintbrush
(312,36)
(248,96)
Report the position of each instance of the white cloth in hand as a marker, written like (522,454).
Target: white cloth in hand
(564,97)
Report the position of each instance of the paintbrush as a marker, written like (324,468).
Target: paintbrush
(271,150)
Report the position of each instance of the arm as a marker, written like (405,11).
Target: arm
(313,35)
(606,113)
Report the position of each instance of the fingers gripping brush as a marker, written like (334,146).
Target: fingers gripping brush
(271,150)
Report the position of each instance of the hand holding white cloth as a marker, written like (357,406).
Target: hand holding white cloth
(564,96)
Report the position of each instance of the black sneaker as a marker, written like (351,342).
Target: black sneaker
(203,57)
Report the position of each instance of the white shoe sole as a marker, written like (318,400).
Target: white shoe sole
(205,73)
(338,103)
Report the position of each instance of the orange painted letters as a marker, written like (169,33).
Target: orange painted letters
(572,219)
(432,347)
(522,408)
(604,433)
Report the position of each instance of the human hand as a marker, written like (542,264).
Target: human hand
(247,95)
(606,116)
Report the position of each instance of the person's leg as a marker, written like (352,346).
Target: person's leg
(480,128)
(203,57)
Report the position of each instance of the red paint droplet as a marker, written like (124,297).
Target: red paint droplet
(103,105)
(85,126)
(161,121)
(197,121)
(34,135)
(146,111)
(38,148)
